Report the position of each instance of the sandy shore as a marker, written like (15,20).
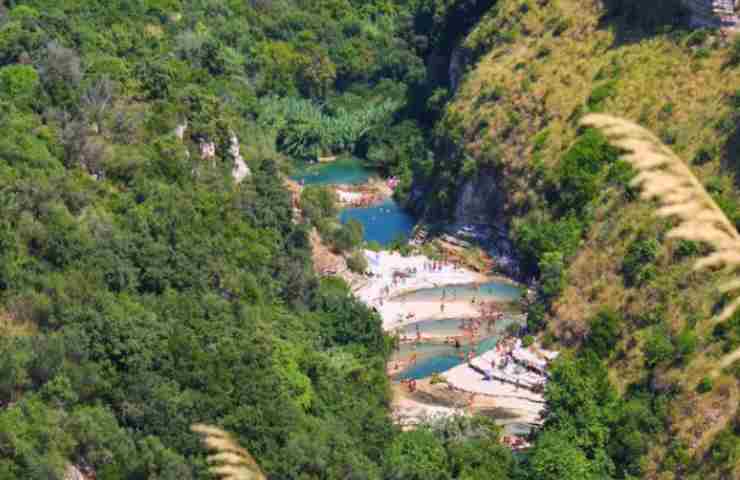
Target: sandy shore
(381,290)
(440,400)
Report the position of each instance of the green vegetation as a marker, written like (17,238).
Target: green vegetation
(357,262)
(612,286)
(604,334)
(143,290)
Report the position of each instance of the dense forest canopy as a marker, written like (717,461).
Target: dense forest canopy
(143,288)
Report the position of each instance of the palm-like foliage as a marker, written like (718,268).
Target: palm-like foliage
(307,130)
(229,460)
(664,177)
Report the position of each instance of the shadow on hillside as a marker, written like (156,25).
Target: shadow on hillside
(731,153)
(635,20)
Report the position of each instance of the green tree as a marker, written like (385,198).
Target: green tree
(20,83)
(555,457)
(417,455)
(604,334)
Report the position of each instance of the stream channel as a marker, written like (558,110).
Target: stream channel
(386,222)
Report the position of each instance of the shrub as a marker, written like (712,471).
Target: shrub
(724,450)
(686,248)
(416,455)
(600,94)
(318,202)
(19,83)
(604,333)
(686,343)
(536,317)
(697,37)
(705,385)
(536,236)
(578,174)
(527,341)
(552,274)
(357,262)
(374,246)
(492,94)
(659,348)
(348,236)
(637,265)
(539,141)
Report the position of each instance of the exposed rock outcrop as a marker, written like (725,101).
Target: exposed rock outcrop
(207,151)
(480,200)
(73,473)
(240,170)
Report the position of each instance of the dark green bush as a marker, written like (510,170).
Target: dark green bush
(536,236)
(318,203)
(705,385)
(348,236)
(605,332)
(579,176)
(728,332)
(659,347)
(704,155)
(552,274)
(536,317)
(637,266)
(685,249)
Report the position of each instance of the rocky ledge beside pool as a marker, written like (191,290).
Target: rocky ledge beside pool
(391,275)
(513,375)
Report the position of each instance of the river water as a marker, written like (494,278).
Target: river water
(384,223)
(344,170)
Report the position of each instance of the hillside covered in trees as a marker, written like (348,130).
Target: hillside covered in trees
(612,287)
(145,286)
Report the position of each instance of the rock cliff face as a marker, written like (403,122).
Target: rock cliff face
(480,200)
(479,213)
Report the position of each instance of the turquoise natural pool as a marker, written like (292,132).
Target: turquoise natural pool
(491,291)
(383,223)
(437,358)
(446,327)
(343,170)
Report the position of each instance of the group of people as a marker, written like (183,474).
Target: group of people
(437,265)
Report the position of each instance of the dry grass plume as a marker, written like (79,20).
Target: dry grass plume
(664,177)
(229,461)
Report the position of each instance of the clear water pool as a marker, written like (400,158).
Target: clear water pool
(437,358)
(493,290)
(343,170)
(383,223)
